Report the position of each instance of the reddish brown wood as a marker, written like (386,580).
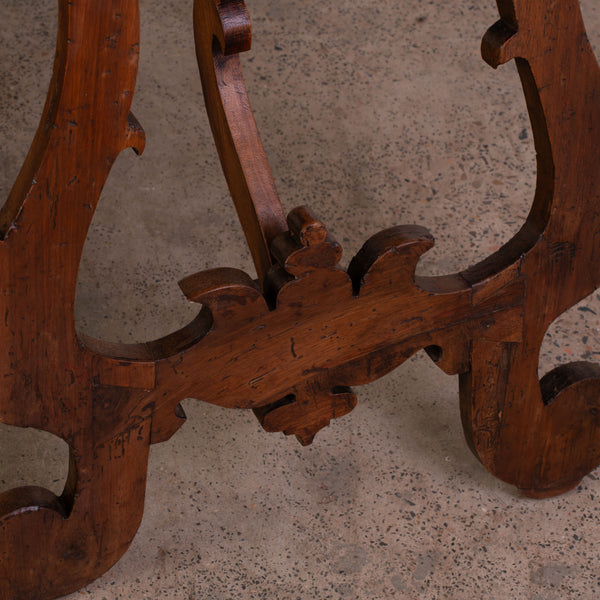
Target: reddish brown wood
(222,30)
(544,438)
(288,345)
(47,374)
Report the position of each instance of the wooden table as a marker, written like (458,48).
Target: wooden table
(288,345)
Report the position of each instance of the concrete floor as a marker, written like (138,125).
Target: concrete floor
(374,113)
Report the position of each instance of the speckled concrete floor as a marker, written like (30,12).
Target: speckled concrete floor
(375,113)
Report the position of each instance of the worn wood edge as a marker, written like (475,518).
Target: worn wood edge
(553,443)
(238,142)
(12,206)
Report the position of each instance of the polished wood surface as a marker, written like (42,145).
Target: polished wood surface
(289,345)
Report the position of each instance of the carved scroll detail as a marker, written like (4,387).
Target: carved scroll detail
(288,345)
(544,436)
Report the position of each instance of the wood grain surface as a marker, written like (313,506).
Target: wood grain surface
(289,345)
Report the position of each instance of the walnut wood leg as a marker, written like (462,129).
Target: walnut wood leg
(544,436)
(288,345)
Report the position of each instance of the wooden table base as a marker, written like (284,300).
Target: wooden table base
(288,345)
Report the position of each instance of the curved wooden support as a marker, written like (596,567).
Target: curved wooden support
(51,546)
(326,329)
(222,30)
(544,438)
(288,346)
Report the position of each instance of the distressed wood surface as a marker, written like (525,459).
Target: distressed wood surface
(544,438)
(289,345)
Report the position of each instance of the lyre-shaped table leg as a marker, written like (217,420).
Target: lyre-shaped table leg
(544,436)
(53,545)
(288,345)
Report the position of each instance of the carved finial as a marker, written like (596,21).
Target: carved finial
(304,255)
(306,246)
(307,411)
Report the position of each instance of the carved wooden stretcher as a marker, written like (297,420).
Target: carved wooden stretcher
(287,345)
